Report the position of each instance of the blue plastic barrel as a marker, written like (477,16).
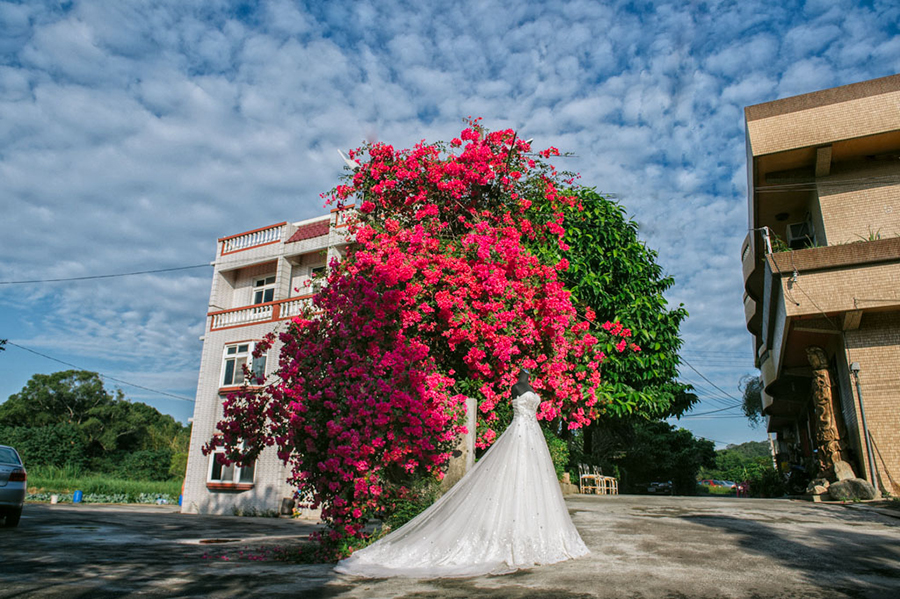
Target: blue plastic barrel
(77,496)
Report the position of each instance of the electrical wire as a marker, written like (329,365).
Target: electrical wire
(713,412)
(702,376)
(105,376)
(811,186)
(124,274)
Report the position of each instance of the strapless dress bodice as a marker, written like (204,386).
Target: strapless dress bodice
(526,405)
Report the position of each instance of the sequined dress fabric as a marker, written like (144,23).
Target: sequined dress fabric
(507,513)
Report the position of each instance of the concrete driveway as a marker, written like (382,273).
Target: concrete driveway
(642,547)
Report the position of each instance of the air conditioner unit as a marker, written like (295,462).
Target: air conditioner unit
(800,235)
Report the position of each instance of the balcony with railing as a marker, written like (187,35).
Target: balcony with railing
(252,239)
(286,232)
(259,313)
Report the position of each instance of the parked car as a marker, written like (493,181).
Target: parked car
(708,482)
(13,479)
(660,488)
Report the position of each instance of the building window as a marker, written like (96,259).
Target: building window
(317,276)
(264,290)
(236,357)
(232,475)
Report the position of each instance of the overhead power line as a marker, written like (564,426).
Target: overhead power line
(711,412)
(702,376)
(123,274)
(105,376)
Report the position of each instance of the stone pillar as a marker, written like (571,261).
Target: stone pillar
(463,458)
(828,443)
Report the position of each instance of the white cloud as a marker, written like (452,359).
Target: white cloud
(133,135)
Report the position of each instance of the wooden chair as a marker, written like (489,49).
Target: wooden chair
(608,485)
(588,482)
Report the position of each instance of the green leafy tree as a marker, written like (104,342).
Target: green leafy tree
(58,445)
(72,411)
(615,274)
(740,462)
(61,397)
(657,451)
(751,389)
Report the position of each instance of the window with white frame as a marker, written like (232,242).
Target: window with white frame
(236,356)
(317,277)
(232,474)
(264,290)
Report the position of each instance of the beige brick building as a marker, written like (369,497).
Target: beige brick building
(262,278)
(824,185)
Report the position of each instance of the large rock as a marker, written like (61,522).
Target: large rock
(843,470)
(817,486)
(852,489)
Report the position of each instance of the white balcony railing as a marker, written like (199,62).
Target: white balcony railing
(268,312)
(250,239)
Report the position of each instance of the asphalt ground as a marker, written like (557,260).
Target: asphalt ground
(642,547)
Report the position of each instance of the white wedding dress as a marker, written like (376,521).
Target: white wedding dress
(505,514)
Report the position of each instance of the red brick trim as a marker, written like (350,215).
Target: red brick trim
(229,487)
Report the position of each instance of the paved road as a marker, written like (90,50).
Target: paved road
(642,548)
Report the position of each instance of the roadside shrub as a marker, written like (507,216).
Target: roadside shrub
(59,445)
(559,452)
(178,465)
(766,483)
(422,494)
(148,464)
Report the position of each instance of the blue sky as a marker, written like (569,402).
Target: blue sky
(133,134)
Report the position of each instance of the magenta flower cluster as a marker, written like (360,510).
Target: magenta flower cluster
(437,299)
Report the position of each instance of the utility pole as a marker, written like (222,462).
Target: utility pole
(854,369)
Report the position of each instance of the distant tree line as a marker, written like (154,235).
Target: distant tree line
(69,420)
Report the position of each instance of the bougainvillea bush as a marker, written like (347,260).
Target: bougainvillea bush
(437,299)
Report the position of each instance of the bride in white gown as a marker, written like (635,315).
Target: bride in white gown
(505,514)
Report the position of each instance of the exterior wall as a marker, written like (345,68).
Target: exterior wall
(836,290)
(831,154)
(876,347)
(238,264)
(861,202)
(813,120)
(270,476)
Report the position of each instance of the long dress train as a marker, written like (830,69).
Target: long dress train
(505,514)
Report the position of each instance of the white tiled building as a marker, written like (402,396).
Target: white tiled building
(262,278)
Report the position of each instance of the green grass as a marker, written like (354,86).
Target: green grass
(68,480)
(704,490)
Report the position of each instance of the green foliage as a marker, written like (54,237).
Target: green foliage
(68,419)
(657,451)
(559,451)
(61,397)
(420,497)
(67,480)
(54,445)
(45,497)
(178,465)
(740,462)
(767,482)
(615,274)
(146,464)
(751,462)
(751,388)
